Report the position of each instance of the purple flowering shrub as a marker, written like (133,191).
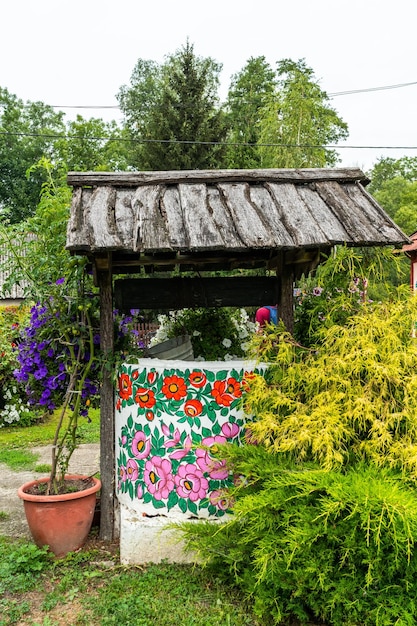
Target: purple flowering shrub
(14,408)
(44,360)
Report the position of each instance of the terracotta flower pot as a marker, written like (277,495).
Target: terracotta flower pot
(62,521)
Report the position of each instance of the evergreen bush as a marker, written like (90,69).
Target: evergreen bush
(324,518)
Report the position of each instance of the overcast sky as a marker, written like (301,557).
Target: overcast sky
(80,52)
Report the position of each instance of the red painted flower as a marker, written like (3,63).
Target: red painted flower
(192,408)
(145,398)
(219,393)
(174,387)
(197,379)
(135,374)
(247,379)
(233,387)
(150,415)
(125,386)
(151,377)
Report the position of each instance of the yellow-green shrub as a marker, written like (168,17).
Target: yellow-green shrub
(324,519)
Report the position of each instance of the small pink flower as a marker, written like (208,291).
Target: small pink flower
(158,477)
(122,474)
(141,446)
(220,500)
(181,453)
(230,430)
(170,443)
(214,467)
(132,470)
(139,491)
(190,482)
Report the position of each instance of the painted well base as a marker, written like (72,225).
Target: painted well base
(148,540)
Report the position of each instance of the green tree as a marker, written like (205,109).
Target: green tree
(250,91)
(298,123)
(394,185)
(172,111)
(387,168)
(27,132)
(92,145)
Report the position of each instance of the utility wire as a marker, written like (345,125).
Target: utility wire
(331,95)
(205,143)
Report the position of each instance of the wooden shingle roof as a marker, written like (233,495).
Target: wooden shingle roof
(223,219)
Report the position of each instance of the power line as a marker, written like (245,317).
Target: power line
(369,89)
(331,95)
(208,143)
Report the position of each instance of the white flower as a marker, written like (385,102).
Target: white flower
(226,342)
(196,333)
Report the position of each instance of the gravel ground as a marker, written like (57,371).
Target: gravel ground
(85,460)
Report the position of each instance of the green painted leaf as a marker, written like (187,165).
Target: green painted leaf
(182,504)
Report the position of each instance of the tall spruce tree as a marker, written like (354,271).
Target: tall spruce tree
(172,113)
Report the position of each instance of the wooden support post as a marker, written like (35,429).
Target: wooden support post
(286,308)
(107,427)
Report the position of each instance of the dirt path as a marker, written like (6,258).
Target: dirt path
(85,460)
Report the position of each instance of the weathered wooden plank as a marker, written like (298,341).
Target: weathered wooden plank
(361,230)
(265,204)
(198,221)
(100,220)
(387,228)
(179,293)
(124,217)
(322,214)
(78,236)
(168,177)
(223,220)
(248,223)
(172,210)
(150,230)
(296,217)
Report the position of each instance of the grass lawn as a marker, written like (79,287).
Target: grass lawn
(90,587)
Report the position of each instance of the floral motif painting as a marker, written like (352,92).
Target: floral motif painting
(170,416)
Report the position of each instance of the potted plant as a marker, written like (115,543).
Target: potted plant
(59,359)
(59,365)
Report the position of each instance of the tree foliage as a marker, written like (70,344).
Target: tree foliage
(26,134)
(298,123)
(250,91)
(394,186)
(324,522)
(172,111)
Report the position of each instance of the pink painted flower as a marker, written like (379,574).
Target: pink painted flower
(230,430)
(122,474)
(190,482)
(219,499)
(132,470)
(170,443)
(216,468)
(182,452)
(139,491)
(123,440)
(141,446)
(158,477)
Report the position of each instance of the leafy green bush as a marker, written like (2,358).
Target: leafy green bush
(216,334)
(325,511)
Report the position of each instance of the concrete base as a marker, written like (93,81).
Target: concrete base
(145,539)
